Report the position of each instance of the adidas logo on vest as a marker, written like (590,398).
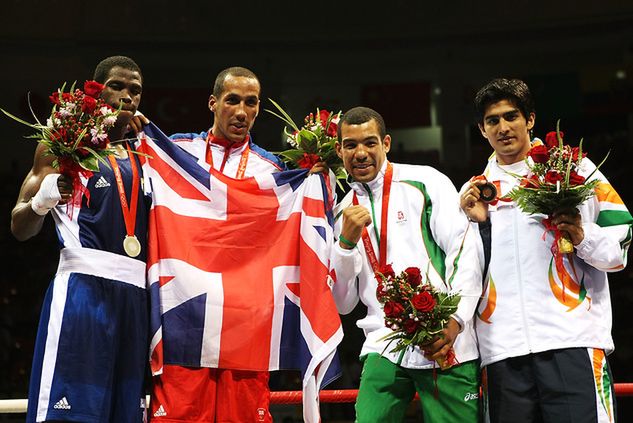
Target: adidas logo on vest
(160,412)
(102,183)
(62,404)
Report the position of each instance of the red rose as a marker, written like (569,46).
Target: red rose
(93,88)
(387,271)
(413,276)
(551,140)
(54,98)
(410,326)
(308,160)
(323,115)
(423,301)
(88,105)
(552,176)
(575,178)
(539,154)
(393,309)
(332,128)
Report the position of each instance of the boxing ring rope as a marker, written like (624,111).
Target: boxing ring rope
(294,397)
(349,395)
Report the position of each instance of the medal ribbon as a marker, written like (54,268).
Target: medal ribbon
(129,213)
(382,241)
(241,168)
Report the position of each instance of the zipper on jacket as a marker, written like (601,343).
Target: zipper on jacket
(520,276)
(373,212)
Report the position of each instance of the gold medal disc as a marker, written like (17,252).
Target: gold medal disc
(132,246)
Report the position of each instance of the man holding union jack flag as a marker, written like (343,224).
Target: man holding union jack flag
(226,283)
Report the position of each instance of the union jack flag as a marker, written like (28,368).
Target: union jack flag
(238,269)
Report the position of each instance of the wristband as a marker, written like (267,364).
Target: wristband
(47,196)
(346,241)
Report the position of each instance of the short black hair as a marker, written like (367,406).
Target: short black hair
(218,85)
(103,68)
(513,90)
(359,115)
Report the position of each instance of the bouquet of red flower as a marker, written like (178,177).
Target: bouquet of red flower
(313,142)
(76,133)
(553,183)
(414,309)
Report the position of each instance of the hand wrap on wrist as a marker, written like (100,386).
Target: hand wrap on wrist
(48,195)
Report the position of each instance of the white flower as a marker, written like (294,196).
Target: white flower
(292,141)
(97,135)
(97,139)
(109,120)
(65,112)
(105,111)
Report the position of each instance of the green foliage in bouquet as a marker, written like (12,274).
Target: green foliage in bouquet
(313,142)
(554,183)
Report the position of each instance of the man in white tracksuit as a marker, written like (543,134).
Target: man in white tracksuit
(543,325)
(425,228)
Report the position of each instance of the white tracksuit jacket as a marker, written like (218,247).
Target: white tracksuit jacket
(427,229)
(529,305)
(259,160)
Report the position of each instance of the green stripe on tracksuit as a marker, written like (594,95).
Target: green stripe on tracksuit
(608,218)
(435,253)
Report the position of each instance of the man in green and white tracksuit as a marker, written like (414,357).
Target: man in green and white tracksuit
(423,227)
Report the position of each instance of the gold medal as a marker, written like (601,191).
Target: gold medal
(132,246)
